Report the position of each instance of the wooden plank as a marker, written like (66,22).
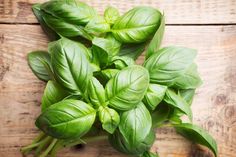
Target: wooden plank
(177,12)
(214,107)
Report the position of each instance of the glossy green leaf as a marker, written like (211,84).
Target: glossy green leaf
(127,88)
(72,11)
(67,119)
(109,73)
(156,40)
(197,135)
(132,50)
(40,64)
(97,26)
(111,14)
(135,124)
(120,62)
(155,94)
(160,114)
(149,154)
(177,102)
(53,93)
(187,95)
(137,25)
(110,119)
(70,64)
(168,64)
(96,93)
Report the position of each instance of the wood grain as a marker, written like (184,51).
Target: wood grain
(214,107)
(177,12)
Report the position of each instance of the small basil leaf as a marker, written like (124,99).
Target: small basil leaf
(127,88)
(120,62)
(160,114)
(149,154)
(177,102)
(38,13)
(135,124)
(110,119)
(168,64)
(53,93)
(197,135)
(72,11)
(137,25)
(97,25)
(67,119)
(132,50)
(187,95)
(111,14)
(71,67)
(40,64)
(156,40)
(96,92)
(155,94)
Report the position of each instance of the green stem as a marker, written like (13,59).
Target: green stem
(57,146)
(43,145)
(45,153)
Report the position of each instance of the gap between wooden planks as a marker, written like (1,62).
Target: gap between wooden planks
(214,106)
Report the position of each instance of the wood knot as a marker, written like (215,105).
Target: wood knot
(229,111)
(221,99)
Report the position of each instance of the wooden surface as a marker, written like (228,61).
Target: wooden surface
(214,106)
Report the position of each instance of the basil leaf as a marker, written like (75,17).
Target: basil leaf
(53,93)
(120,62)
(135,124)
(156,40)
(38,14)
(72,11)
(96,93)
(107,74)
(97,26)
(71,67)
(40,64)
(187,95)
(127,88)
(137,25)
(197,135)
(160,114)
(64,28)
(177,102)
(155,94)
(149,154)
(67,119)
(132,50)
(110,119)
(111,14)
(168,64)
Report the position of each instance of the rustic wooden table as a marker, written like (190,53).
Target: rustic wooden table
(207,25)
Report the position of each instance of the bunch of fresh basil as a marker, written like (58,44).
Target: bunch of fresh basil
(96,91)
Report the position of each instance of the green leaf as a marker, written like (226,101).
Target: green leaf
(187,95)
(40,64)
(197,135)
(155,94)
(156,40)
(111,14)
(110,119)
(137,25)
(149,154)
(48,31)
(135,124)
(168,64)
(160,114)
(107,74)
(70,64)
(132,50)
(67,119)
(127,88)
(120,62)
(177,102)
(96,93)
(97,25)
(72,11)
(53,93)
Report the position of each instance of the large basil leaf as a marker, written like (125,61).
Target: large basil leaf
(160,115)
(96,93)
(137,25)
(120,62)
(53,93)
(149,154)
(67,119)
(132,50)
(135,124)
(197,135)
(156,40)
(168,64)
(70,64)
(40,64)
(111,14)
(97,26)
(110,119)
(127,88)
(177,102)
(72,11)
(155,94)
(38,13)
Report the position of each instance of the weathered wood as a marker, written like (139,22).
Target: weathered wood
(214,107)
(177,12)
